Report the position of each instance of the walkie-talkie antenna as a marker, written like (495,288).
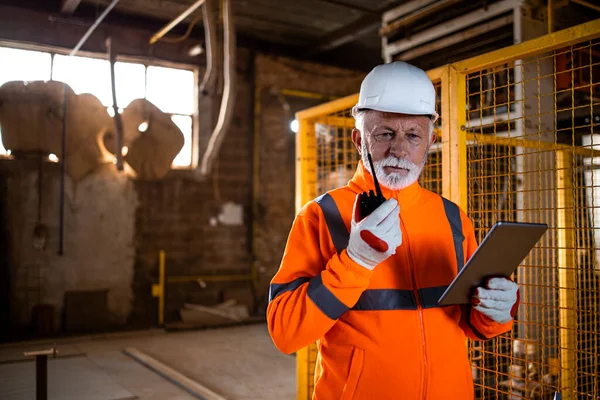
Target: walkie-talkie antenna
(377,188)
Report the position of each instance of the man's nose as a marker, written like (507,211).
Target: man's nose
(398,147)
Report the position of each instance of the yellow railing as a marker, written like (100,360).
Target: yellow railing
(517,140)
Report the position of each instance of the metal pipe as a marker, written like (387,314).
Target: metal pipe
(307,95)
(161,282)
(477,138)
(158,289)
(118,120)
(41,377)
(63,159)
(210,36)
(176,21)
(229,92)
(93,27)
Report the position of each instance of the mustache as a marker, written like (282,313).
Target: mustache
(396,162)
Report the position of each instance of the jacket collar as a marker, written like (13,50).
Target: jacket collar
(362,181)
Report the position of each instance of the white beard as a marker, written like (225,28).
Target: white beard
(394,181)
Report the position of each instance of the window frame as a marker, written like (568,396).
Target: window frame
(146,62)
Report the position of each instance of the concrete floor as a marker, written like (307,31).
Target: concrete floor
(237,363)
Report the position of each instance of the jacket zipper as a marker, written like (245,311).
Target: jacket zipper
(420,309)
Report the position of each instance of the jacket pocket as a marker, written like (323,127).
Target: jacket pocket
(356,365)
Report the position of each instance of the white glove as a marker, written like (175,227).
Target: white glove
(497,299)
(376,237)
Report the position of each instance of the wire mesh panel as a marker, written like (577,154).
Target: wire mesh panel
(431,177)
(522,144)
(530,128)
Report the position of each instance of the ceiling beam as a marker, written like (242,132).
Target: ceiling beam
(349,33)
(350,6)
(346,34)
(415,16)
(69,6)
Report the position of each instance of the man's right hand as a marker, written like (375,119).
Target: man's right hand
(375,238)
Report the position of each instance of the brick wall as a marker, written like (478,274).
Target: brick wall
(277,150)
(175,215)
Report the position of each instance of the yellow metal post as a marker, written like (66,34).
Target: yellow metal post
(305,163)
(158,289)
(446,115)
(305,155)
(455,177)
(567,274)
(302,374)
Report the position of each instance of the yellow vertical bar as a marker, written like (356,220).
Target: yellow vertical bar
(305,163)
(445,115)
(302,378)
(301,139)
(567,275)
(305,177)
(457,139)
(161,284)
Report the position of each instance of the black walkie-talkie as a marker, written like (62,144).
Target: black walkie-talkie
(369,201)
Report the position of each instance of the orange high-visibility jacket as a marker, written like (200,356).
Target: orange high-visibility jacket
(380,334)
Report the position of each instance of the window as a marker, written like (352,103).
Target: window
(170,89)
(24,65)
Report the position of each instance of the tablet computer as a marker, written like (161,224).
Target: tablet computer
(502,250)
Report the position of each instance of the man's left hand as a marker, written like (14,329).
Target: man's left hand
(497,299)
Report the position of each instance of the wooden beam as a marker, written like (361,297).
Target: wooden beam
(350,6)
(346,34)
(448,27)
(349,33)
(415,16)
(69,6)
(404,9)
(455,38)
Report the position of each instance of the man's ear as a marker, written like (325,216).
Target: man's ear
(433,138)
(356,139)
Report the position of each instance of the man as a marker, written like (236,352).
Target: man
(365,288)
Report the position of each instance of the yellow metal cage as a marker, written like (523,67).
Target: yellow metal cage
(517,141)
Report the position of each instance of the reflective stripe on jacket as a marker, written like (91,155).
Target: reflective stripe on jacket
(380,334)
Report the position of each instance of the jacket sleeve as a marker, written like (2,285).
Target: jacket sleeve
(476,325)
(310,291)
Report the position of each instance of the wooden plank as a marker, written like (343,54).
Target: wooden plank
(456,38)
(449,27)
(403,9)
(411,18)
(172,375)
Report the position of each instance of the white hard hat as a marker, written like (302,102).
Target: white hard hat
(397,87)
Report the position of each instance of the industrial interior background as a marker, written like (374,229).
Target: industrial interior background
(192,215)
